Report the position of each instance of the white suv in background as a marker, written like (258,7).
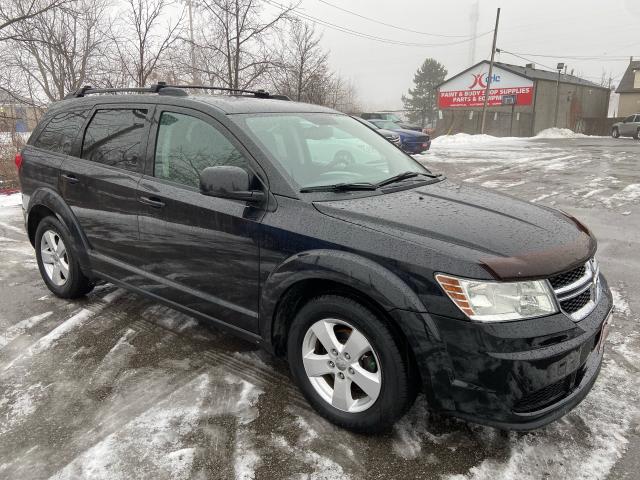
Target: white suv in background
(629,127)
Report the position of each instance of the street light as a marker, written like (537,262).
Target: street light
(559,67)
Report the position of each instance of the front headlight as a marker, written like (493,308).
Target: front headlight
(489,301)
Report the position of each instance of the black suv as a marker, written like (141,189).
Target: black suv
(374,277)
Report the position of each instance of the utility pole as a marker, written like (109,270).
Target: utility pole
(474,17)
(559,67)
(487,89)
(194,75)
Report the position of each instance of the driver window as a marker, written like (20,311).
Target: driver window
(187,145)
(629,119)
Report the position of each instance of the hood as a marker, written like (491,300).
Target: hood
(510,238)
(410,133)
(387,133)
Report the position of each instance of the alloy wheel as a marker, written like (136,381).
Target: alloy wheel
(341,365)
(55,259)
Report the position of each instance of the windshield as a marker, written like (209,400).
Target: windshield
(326,149)
(387,124)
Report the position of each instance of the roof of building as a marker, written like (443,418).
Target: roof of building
(535,74)
(538,74)
(628,79)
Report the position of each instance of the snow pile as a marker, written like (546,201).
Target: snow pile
(462,139)
(11,200)
(560,133)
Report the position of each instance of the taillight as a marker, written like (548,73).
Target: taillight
(19,160)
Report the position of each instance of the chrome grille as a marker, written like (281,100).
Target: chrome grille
(578,291)
(568,278)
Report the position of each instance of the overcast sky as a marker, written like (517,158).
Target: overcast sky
(381,72)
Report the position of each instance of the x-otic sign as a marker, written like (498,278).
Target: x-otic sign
(482,79)
(468,89)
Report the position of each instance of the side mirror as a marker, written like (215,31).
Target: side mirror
(228,182)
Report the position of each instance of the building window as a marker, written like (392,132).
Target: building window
(636,79)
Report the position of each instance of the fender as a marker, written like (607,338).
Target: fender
(372,279)
(47,197)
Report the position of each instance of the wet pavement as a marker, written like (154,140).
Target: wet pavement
(116,386)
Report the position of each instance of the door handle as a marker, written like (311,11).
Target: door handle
(151,201)
(70,178)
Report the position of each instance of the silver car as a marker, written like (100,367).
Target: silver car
(629,127)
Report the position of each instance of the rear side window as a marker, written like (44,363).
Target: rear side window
(61,131)
(187,145)
(115,138)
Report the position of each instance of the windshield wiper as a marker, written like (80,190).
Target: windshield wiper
(404,176)
(340,187)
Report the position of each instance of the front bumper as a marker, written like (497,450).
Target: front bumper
(516,375)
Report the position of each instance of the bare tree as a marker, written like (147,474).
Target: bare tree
(55,52)
(303,62)
(16,11)
(236,41)
(142,41)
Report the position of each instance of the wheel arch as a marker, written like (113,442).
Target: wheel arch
(313,273)
(47,202)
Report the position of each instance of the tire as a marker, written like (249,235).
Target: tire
(637,135)
(55,254)
(615,133)
(349,320)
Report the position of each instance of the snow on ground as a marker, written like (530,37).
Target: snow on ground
(562,133)
(11,200)
(463,139)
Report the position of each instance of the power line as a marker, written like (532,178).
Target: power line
(500,50)
(367,36)
(573,57)
(404,29)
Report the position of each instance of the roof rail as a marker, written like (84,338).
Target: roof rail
(162,88)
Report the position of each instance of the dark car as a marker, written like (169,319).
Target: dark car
(373,276)
(412,141)
(393,137)
(392,117)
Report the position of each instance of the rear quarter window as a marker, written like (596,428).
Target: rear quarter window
(61,131)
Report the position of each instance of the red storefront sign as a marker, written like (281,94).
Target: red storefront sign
(467,89)
(475,98)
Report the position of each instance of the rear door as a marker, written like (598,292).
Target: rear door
(99,182)
(200,252)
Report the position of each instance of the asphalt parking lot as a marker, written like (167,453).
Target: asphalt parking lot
(116,386)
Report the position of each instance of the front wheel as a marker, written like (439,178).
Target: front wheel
(615,133)
(57,262)
(348,365)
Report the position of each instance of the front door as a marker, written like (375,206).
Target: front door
(627,127)
(100,183)
(199,251)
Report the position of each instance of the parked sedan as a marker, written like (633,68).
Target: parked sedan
(412,141)
(629,127)
(393,137)
(392,118)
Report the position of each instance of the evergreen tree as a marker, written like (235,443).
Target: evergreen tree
(421,100)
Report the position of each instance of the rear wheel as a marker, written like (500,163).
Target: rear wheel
(57,262)
(637,135)
(615,133)
(346,362)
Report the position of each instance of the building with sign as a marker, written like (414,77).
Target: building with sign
(522,101)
